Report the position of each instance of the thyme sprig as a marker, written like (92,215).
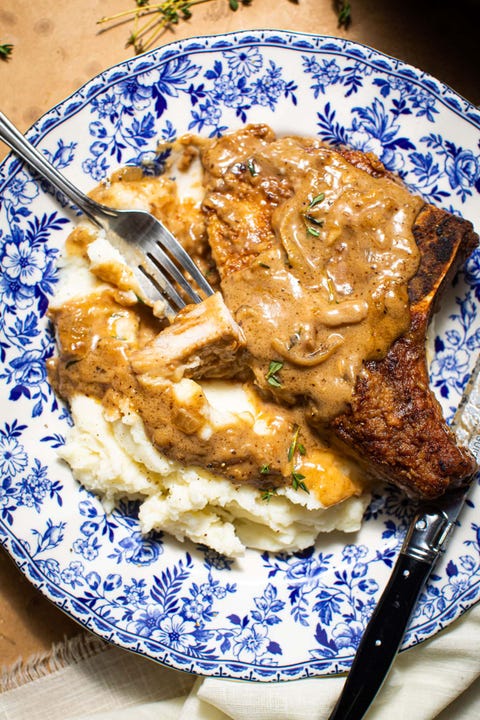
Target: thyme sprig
(296,447)
(267,494)
(297,482)
(157,17)
(312,223)
(344,13)
(6,50)
(297,478)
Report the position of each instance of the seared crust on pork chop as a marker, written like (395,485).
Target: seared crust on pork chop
(395,425)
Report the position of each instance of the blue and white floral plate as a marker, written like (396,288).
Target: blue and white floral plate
(266,617)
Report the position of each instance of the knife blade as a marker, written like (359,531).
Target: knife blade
(425,541)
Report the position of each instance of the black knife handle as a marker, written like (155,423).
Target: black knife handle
(382,637)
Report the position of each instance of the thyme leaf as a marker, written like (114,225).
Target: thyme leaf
(267,494)
(312,231)
(6,50)
(294,444)
(317,199)
(344,13)
(314,220)
(271,376)
(297,482)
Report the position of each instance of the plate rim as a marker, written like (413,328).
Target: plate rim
(163,49)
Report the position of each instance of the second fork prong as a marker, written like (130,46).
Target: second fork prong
(164,264)
(168,243)
(164,286)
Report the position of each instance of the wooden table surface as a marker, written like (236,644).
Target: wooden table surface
(58,47)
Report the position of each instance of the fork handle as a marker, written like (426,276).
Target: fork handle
(382,637)
(27,152)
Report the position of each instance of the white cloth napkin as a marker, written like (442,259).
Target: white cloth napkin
(86,679)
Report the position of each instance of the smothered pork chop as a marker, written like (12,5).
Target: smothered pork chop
(258,417)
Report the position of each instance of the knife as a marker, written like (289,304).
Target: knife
(425,541)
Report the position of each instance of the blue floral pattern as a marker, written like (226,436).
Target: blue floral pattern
(182,605)
(127,117)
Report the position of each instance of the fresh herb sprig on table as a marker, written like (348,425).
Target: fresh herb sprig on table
(157,16)
(344,13)
(6,50)
(151,19)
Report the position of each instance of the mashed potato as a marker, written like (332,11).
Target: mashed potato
(115,459)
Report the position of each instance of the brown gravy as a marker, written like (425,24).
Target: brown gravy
(314,256)
(323,253)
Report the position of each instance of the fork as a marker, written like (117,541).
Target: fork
(155,256)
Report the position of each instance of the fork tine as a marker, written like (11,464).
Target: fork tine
(163,263)
(132,231)
(163,285)
(171,244)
